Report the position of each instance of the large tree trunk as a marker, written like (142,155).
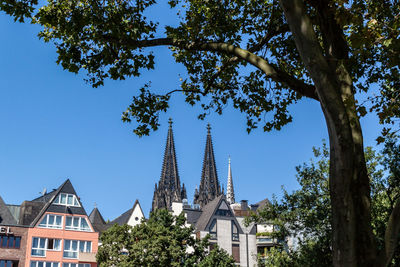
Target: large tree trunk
(353,240)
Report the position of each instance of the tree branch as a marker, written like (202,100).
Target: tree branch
(269,70)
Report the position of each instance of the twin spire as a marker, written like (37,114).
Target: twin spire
(169,188)
(209,184)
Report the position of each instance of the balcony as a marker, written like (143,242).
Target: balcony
(87,257)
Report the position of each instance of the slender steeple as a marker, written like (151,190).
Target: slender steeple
(169,186)
(209,184)
(230,193)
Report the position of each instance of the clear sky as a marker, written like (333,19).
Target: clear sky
(53,126)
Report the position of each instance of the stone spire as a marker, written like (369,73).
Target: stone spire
(169,186)
(209,184)
(230,193)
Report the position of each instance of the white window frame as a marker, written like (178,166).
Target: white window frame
(75,202)
(78,228)
(51,226)
(78,248)
(46,243)
(52,263)
(39,248)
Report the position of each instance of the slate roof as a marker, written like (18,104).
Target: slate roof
(5,215)
(192,216)
(207,211)
(66,187)
(29,211)
(124,217)
(263,203)
(97,220)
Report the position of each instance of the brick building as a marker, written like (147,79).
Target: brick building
(50,231)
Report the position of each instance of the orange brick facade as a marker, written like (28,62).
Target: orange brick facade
(61,234)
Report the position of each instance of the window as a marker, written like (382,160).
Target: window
(8,263)
(51,221)
(235,232)
(213,230)
(77,224)
(236,252)
(40,245)
(44,264)
(76,265)
(72,247)
(10,241)
(67,200)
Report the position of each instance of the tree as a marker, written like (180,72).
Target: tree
(305,214)
(163,240)
(261,56)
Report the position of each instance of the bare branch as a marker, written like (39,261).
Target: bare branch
(269,70)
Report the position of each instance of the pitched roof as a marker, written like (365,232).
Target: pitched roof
(124,217)
(263,203)
(66,187)
(208,211)
(97,220)
(5,215)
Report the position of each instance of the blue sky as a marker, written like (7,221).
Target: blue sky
(54,127)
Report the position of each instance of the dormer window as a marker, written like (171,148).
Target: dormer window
(213,230)
(77,224)
(67,200)
(51,221)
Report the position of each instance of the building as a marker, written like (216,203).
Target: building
(54,231)
(13,237)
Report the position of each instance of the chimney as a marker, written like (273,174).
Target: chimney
(244,205)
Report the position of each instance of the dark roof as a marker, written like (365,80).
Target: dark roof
(5,215)
(46,197)
(192,216)
(207,211)
(66,187)
(29,211)
(263,203)
(97,220)
(124,217)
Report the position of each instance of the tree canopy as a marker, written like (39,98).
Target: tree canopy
(163,240)
(261,57)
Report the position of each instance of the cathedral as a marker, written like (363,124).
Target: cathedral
(169,187)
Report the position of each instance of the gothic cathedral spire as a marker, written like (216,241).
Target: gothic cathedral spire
(209,184)
(230,193)
(169,186)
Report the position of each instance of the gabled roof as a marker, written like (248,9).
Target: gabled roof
(209,212)
(263,203)
(5,214)
(124,217)
(66,187)
(97,220)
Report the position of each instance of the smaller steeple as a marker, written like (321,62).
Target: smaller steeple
(230,193)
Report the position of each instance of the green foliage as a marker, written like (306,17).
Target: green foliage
(163,240)
(19,9)
(305,213)
(110,39)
